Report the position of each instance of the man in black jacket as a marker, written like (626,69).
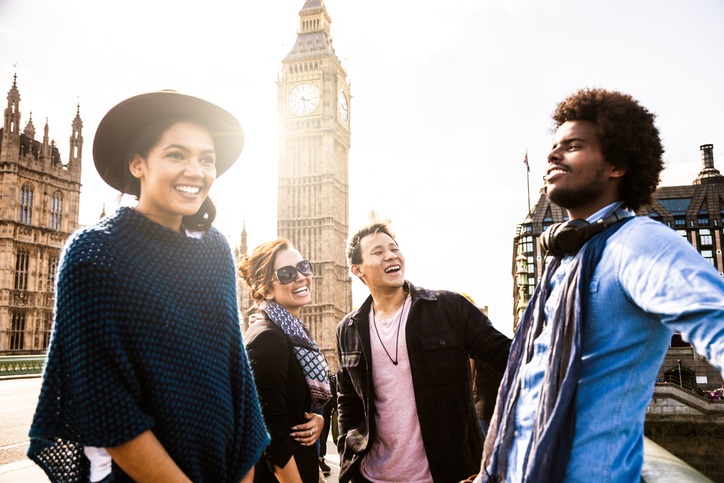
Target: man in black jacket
(404,389)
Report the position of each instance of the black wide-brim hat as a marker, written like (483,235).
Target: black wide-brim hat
(124,122)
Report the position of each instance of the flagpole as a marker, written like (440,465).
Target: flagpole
(527,177)
(528,186)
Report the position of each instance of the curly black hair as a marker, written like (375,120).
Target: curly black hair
(629,139)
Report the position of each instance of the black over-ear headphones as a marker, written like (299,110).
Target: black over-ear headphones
(568,237)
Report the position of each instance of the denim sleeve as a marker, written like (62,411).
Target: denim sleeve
(664,275)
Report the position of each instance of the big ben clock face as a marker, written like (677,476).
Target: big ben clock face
(303,99)
(342,106)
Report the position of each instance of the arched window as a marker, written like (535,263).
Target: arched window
(56,211)
(47,328)
(42,331)
(52,268)
(25,210)
(22,260)
(17,331)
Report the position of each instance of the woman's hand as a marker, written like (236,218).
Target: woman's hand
(307,434)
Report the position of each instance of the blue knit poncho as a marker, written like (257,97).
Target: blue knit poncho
(147,337)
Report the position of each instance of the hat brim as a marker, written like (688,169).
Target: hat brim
(124,122)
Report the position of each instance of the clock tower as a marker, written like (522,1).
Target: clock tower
(314,140)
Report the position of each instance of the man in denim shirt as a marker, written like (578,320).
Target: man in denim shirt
(583,364)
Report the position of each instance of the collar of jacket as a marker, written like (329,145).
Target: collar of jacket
(417,293)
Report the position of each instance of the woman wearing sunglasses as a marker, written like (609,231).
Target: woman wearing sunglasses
(289,370)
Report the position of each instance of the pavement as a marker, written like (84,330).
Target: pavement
(25,471)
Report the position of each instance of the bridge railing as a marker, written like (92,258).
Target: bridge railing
(660,466)
(680,382)
(21,365)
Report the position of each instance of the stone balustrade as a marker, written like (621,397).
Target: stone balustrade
(21,365)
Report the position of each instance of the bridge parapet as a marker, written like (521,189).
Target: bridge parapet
(660,466)
(11,366)
(689,426)
(674,403)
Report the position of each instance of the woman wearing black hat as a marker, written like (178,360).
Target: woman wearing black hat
(146,377)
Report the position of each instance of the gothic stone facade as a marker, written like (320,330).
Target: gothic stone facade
(313,100)
(39,210)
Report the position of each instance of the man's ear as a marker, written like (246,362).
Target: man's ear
(356,270)
(617,171)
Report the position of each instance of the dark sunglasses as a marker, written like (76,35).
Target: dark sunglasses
(288,274)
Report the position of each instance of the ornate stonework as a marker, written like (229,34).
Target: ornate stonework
(313,99)
(39,206)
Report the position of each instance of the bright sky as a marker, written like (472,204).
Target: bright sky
(447,97)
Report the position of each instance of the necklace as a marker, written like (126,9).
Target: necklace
(397,339)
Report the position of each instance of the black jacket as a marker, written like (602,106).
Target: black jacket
(284,397)
(444,330)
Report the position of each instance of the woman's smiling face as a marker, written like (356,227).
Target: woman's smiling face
(176,175)
(295,295)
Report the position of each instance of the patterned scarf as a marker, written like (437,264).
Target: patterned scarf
(551,441)
(311,360)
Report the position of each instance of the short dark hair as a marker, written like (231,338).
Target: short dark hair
(354,252)
(629,139)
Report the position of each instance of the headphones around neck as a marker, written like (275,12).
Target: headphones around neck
(561,239)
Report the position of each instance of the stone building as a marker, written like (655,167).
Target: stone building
(39,207)
(313,99)
(695,211)
(246,302)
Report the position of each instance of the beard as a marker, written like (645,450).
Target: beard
(571,198)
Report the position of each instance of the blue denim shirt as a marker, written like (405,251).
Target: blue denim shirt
(649,283)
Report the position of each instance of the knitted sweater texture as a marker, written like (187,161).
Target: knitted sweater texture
(147,337)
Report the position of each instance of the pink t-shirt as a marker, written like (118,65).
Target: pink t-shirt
(397,452)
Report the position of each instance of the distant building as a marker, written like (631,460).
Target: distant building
(314,113)
(246,302)
(39,206)
(695,211)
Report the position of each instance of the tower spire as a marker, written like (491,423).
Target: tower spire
(244,247)
(11,125)
(76,141)
(314,37)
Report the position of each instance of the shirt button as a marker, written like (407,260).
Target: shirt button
(441,342)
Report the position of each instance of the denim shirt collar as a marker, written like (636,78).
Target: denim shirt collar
(615,207)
